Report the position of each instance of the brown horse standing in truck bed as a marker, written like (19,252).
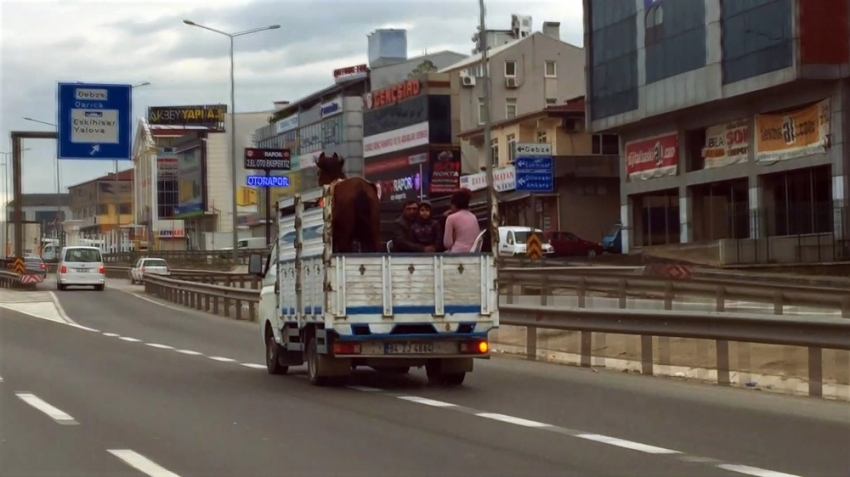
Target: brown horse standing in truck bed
(356,215)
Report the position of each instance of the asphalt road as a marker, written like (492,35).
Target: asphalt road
(160,391)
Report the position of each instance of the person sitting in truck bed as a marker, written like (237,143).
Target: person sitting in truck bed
(404,240)
(426,229)
(461,225)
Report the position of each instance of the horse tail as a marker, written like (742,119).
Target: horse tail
(363,206)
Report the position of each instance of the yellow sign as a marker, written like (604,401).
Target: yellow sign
(246,196)
(294,185)
(534,246)
(792,134)
(19,266)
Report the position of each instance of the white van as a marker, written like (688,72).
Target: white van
(512,241)
(81,266)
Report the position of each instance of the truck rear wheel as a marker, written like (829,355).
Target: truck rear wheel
(273,355)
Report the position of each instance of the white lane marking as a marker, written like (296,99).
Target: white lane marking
(745,469)
(160,346)
(253,365)
(131,340)
(61,310)
(141,463)
(1,379)
(189,352)
(53,412)
(83,327)
(222,359)
(426,401)
(111,335)
(133,293)
(627,444)
(512,420)
(365,389)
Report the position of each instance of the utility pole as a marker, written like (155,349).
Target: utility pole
(492,200)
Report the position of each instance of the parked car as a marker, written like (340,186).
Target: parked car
(35,265)
(568,244)
(81,266)
(148,266)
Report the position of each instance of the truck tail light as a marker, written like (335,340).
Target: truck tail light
(475,347)
(101,270)
(63,269)
(346,348)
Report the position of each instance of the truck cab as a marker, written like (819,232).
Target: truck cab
(390,312)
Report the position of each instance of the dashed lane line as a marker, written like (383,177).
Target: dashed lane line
(157,471)
(54,413)
(141,463)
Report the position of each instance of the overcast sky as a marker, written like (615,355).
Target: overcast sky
(118,41)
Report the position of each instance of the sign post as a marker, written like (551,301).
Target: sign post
(94,122)
(534,173)
(268,160)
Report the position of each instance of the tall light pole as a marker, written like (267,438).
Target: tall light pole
(58,188)
(232,36)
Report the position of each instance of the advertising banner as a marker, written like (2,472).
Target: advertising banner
(267,159)
(445,171)
(504,180)
(653,157)
(209,116)
(392,141)
(190,186)
(393,94)
(792,134)
(726,144)
(166,163)
(398,179)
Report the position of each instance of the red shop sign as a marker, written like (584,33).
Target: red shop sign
(653,157)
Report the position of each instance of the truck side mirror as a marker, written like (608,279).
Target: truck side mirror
(255,264)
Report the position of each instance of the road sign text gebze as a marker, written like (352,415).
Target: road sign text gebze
(534,167)
(533,149)
(94,121)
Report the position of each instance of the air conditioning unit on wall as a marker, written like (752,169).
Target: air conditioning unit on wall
(467,81)
(511,83)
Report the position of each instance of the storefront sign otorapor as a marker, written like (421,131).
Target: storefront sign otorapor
(792,134)
(726,144)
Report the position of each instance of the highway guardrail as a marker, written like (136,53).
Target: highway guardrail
(239,303)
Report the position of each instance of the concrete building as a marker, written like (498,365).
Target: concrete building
(103,203)
(526,75)
(331,119)
(41,210)
(586,197)
(731,118)
(187,163)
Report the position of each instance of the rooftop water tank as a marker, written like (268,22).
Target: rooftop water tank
(387,47)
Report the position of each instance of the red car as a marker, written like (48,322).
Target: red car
(567,244)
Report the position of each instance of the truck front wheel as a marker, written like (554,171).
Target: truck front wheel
(273,355)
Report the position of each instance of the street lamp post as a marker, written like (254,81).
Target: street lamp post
(232,37)
(59,189)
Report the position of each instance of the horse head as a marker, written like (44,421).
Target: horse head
(330,168)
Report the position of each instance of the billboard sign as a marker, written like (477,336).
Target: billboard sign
(190,182)
(652,157)
(267,159)
(445,171)
(210,117)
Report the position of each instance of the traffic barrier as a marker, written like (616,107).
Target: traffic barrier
(215,299)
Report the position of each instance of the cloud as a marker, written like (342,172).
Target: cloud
(133,41)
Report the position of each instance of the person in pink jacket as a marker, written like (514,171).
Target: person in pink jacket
(461,224)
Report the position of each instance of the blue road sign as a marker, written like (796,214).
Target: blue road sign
(534,163)
(95,121)
(535,181)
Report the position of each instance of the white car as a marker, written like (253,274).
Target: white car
(148,266)
(81,266)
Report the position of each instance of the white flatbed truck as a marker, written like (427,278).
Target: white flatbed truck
(386,311)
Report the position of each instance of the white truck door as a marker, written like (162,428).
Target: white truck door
(270,295)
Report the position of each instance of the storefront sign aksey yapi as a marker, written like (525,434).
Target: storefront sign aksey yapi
(393,94)
(652,157)
(792,134)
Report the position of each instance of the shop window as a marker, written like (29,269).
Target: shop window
(510,108)
(605,144)
(694,144)
(102,209)
(125,209)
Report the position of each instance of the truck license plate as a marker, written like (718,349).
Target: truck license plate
(409,348)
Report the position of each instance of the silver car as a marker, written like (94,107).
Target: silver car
(81,266)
